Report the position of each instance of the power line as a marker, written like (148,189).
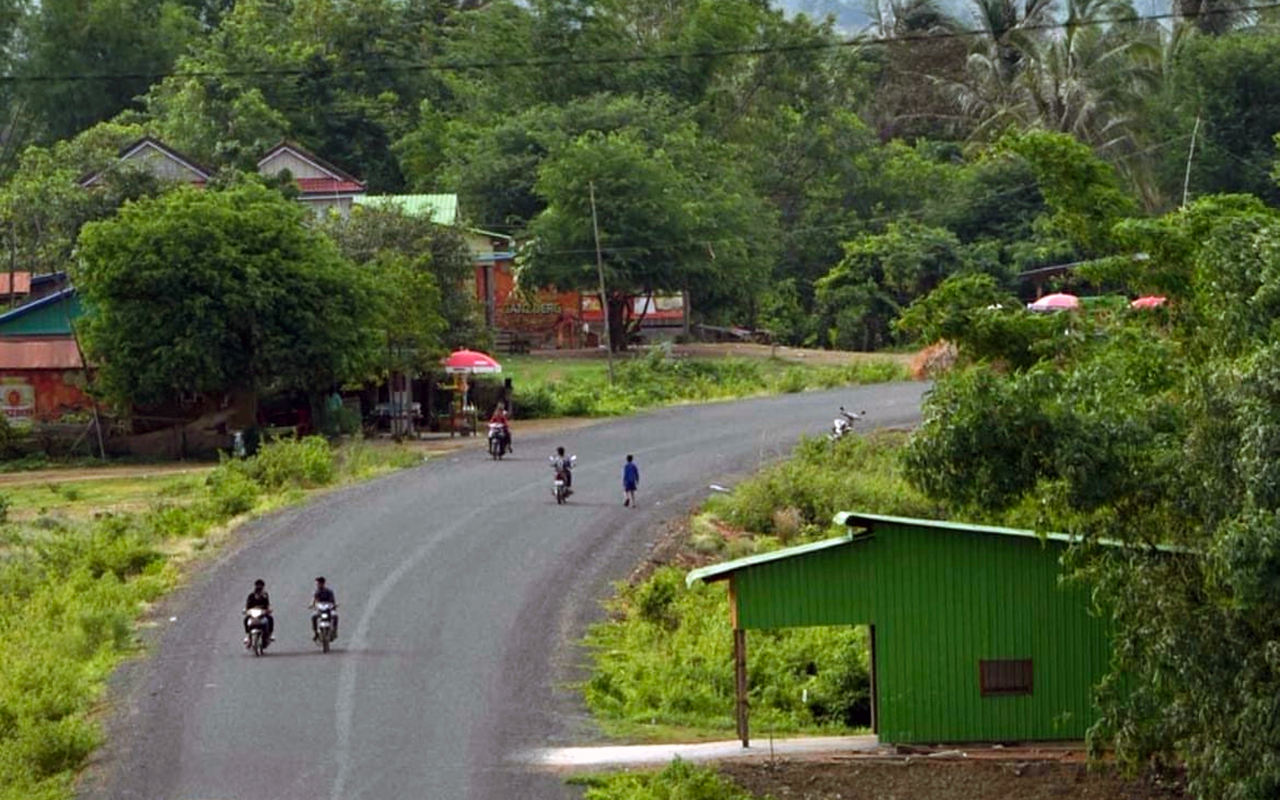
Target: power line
(635,58)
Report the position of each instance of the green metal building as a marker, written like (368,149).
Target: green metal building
(973,636)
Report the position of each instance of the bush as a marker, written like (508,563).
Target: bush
(305,463)
(231,490)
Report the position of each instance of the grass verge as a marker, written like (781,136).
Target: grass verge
(75,588)
(662,662)
(580,388)
(678,781)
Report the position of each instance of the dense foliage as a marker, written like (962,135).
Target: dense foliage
(785,173)
(1156,429)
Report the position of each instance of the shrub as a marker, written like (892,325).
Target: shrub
(231,490)
(306,463)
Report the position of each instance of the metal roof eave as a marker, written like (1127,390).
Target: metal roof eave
(717,572)
(855,519)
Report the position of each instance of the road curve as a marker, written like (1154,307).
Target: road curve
(462,587)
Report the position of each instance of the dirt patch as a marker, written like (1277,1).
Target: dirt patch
(943,775)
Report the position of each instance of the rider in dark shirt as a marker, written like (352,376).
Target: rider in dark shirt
(259,598)
(323,594)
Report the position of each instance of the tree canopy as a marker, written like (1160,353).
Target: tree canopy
(214,293)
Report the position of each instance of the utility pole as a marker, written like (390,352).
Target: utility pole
(604,299)
(1186,181)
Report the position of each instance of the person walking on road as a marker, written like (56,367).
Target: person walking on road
(630,481)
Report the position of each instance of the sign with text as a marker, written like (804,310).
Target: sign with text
(18,400)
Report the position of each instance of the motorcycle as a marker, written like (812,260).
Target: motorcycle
(258,638)
(324,624)
(560,489)
(843,424)
(499,440)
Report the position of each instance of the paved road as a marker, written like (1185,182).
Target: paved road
(462,588)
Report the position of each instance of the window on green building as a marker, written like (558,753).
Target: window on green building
(1003,677)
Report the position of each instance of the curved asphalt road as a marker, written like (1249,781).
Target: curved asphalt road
(462,588)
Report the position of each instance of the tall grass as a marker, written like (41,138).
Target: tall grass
(663,659)
(659,379)
(73,591)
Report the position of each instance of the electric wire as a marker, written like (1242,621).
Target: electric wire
(633,58)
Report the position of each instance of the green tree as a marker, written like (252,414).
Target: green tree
(1129,432)
(880,274)
(222,293)
(84,61)
(43,205)
(672,215)
(431,265)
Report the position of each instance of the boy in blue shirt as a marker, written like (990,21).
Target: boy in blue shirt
(630,480)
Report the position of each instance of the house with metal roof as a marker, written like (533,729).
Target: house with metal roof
(321,186)
(974,637)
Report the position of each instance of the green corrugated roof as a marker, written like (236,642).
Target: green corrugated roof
(852,519)
(710,573)
(441,208)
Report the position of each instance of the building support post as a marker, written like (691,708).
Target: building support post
(739,666)
(740,683)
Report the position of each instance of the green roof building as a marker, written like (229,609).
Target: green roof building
(974,638)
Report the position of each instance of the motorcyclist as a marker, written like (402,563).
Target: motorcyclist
(564,466)
(322,594)
(500,418)
(259,598)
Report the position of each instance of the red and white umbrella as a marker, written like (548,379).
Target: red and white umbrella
(1148,301)
(1055,302)
(471,361)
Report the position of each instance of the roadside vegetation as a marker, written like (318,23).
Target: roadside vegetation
(658,378)
(73,589)
(662,662)
(678,781)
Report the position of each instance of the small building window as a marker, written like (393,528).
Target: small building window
(1005,677)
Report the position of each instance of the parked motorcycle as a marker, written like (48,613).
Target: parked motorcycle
(499,440)
(843,424)
(560,488)
(324,624)
(258,638)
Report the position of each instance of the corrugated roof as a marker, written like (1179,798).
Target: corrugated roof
(48,299)
(441,209)
(856,520)
(54,353)
(719,571)
(21,282)
(327,186)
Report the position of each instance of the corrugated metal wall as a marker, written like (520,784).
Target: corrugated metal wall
(941,601)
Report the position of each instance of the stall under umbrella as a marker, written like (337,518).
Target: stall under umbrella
(460,364)
(471,362)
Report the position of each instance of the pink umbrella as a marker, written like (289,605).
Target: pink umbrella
(470,361)
(1148,301)
(1055,302)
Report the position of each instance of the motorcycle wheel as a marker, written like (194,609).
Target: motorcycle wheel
(495,449)
(256,641)
(324,640)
